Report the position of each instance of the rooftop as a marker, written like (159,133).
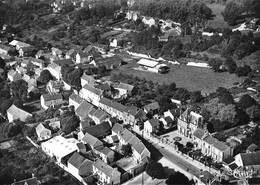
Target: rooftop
(50,97)
(92,89)
(148,63)
(83,109)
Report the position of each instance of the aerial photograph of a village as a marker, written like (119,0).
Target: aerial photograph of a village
(131,92)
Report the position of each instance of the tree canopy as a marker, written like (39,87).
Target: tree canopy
(155,169)
(231,12)
(19,89)
(45,77)
(177,178)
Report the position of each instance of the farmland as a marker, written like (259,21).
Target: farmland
(191,78)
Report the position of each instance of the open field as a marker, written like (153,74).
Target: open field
(218,20)
(191,78)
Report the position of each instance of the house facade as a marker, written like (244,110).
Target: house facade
(151,126)
(106,174)
(75,100)
(86,79)
(112,107)
(48,100)
(14,113)
(42,132)
(188,122)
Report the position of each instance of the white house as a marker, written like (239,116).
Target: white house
(55,70)
(48,100)
(125,89)
(54,87)
(42,132)
(91,94)
(13,76)
(151,126)
(81,58)
(14,113)
(149,21)
(56,52)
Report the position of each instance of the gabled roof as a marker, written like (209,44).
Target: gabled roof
(76,98)
(30,181)
(55,67)
(168,119)
(199,133)
(126,135)
(70,52)
(216,143)
(18,113)
(117,128)
(19,43)
(249,159)
(99,114)
(205,176)
(92,112)
(91,140)
(233,166)
(252,147)
(88,78)
(113,104)
(154,122)
(107,151)
(62,62)
(36,60)
(83,109)
(4,47)
(152,106)
(81,146)
(104,87)
(125,86)
(100,130)
(83,55)
(58,51)
(85,123)
(104,167)
(40,128)
(76,160)
(50,97)
(92,89)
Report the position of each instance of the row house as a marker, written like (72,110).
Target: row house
(99,116)
(13,76)
(56,52)
(91,94)
(26,51)
(133,115)
(37,62)
(151,126)
(133,15)
(4,49)
(112,107)
(82,58)
(140,152)
(125,89)
(211,146)
(86,79)
(18,44)
(188,122)
(79,165)
(83,110)
(93,142)
(75,100)
(106,173)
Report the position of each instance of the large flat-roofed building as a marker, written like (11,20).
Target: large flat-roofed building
(60,147)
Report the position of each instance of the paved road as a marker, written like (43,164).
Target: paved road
(177,160)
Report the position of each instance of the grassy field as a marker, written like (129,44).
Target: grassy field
(191,78)
(218,20)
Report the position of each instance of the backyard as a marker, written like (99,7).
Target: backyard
(191,78)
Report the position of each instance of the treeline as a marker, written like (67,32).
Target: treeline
(179,10)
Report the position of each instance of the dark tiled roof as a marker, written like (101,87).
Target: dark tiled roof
(62,62)
(92,112)
(132,110)
(100,130)
(99,114)
(104,87)
(168,119)
(104,167)
(91,140)
(88,78)
(85,123)
(216,143)
(92,89)
(49,97)
(70,52)
(110,103)
(252,147)
(137,145)
(4,47)
(81,146)
(233,166)
(76,160)
(229,160)
(249,159)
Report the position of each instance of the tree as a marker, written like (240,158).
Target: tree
(2,63)
(243,71)
(246,101)
(172,86)
(177,178)
(196,97)
(126,150)
(155,170)
(253,112)
(19,89)
(215,63)
(6,104)
(231,12)
(70,124)
(230,65)
(18,103)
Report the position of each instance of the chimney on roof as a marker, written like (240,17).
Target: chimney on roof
(33,175)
